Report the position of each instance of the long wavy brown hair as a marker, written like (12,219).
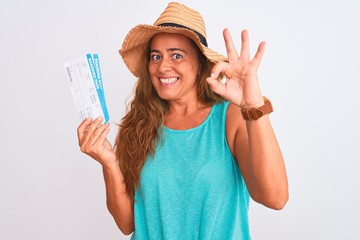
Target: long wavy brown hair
(141,127)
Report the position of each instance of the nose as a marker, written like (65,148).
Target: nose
(165,65)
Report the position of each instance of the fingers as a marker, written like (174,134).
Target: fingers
(230,47)
(104,133)
(99,134)
(82,129)
(92,132)
(244,57)
(245,46)
(259,54)
(245,50)
(216,86)
(90,129)
(219,68)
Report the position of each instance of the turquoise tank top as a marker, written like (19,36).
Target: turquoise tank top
(192,188)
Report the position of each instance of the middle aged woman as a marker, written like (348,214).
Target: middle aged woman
(191,148)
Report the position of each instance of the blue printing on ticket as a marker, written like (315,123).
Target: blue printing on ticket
(99,78)
(98,71)
(96,75)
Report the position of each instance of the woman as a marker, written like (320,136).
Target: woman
(191,149)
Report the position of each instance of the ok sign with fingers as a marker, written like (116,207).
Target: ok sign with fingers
(241,87)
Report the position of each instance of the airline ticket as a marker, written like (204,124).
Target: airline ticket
(85,79)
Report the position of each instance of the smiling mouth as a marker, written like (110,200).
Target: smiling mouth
(168,80)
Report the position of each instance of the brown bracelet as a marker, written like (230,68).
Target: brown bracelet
(256,113)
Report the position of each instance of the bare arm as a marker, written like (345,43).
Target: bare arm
(92,141)
(118,202)
(259,157)
(253,143)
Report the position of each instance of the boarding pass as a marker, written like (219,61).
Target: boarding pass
(84,76)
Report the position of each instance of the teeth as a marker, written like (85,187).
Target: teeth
(168,80)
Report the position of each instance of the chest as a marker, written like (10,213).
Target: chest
(196,162)
(189,121)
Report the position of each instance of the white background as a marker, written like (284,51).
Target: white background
(311,72)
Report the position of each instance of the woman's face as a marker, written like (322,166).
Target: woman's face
(174,66)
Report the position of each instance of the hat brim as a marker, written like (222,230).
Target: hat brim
(135,43)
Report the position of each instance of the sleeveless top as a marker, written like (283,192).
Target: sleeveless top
(192,187)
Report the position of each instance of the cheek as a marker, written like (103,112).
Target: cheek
(152,71)
(152,77)
(194,73)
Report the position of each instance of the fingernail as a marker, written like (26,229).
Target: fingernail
(213,75)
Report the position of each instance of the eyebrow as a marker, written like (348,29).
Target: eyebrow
(169,50)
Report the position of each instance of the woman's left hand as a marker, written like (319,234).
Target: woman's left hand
(241,87)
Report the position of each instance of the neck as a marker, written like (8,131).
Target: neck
(181,108)
(186,115)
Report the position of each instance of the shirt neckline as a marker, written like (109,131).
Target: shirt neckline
(196,127)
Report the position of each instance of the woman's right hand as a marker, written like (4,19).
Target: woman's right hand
(92,136)
(93,141)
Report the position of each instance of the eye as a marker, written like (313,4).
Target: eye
(155,57)
(176,56)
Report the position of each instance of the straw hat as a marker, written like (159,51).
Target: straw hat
(176,18)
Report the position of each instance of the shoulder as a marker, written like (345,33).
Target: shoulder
(235,127)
